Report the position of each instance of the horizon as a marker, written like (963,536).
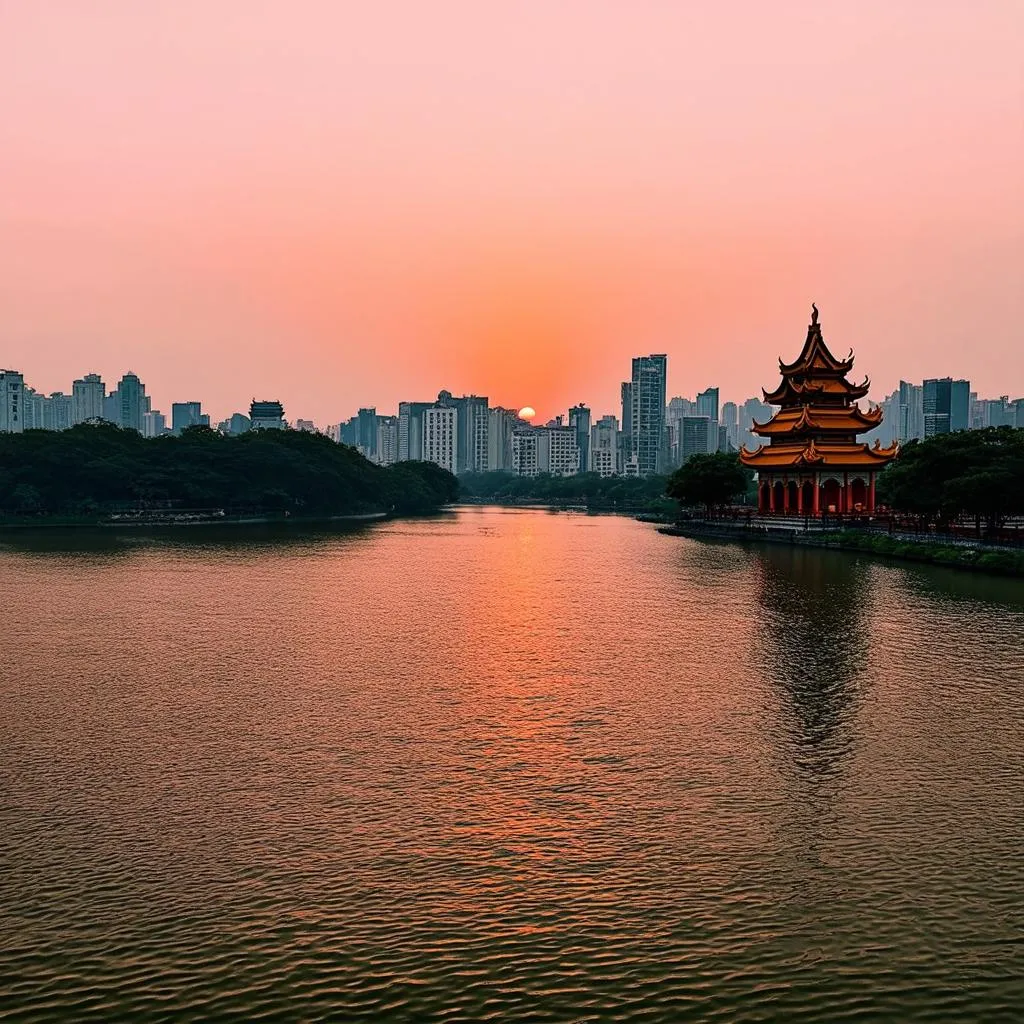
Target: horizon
(342,207)
(538,418)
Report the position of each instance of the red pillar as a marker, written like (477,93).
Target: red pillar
(771,495)
(844,505)
(817,495)
(871,492)
(800,497)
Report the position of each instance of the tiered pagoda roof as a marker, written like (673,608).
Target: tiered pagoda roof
(819,418)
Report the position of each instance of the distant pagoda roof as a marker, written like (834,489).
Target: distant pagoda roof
(819,419)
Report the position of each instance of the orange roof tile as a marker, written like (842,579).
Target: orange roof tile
(815,356)
(790,391)
(809,418)
(818,454)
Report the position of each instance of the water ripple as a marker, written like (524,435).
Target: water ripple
(507,766)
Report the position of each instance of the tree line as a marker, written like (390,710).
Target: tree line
(970,474)
(582,489)
(91,469)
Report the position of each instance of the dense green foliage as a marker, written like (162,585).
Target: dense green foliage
(88,469)
(974,473)
(583,489)
(709,481)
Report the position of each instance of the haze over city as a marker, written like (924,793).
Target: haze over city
(349,204)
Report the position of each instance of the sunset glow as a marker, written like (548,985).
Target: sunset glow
(351,204)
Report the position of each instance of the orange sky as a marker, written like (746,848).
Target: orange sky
(345,203)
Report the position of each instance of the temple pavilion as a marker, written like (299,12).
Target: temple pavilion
(813,463)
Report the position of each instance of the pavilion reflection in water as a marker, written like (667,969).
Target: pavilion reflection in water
(814,646)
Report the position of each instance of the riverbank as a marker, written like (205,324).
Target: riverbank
(977,558)
(177,522)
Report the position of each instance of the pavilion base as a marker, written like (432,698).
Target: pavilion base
(818,493)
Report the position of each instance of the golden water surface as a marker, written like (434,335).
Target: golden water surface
(505,765)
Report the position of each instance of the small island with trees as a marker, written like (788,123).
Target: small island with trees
(100,474)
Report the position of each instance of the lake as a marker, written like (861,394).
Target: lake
(505,765)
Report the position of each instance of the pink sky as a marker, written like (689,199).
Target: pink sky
(345,203)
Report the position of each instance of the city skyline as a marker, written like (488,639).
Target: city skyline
(881,389)
(506,200)
(654,433)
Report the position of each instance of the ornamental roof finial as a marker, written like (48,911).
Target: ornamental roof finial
(814,314)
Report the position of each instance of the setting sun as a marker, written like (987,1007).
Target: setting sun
(527,412)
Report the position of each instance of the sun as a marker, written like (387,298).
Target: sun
(527,412)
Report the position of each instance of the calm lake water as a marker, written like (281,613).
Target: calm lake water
(506,765)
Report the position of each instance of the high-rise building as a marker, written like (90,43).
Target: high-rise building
(647,415)
(474,427)
(441,436)
(503,424)
(129,403)
(731,421)
(579,420)
(350,432)
(627,409)
(236,423)
(604,453)
(112,407)
(550,449)
(911,412)
(367,442)
(557,451)
(698,436)
(960,405)
(707,404)
(753,411)
(12,402)
(186,414)
(87,394)
(525,460)
(410,430)
(34,410)
(946,405)
(994,412)
(387,440)
(266,415)
(153,424)
(888,430)
(58,413)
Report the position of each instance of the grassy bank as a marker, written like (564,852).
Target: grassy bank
(1004,562)
(1001,562)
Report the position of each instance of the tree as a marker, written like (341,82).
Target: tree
(709,480)
(96,467)
(977,473)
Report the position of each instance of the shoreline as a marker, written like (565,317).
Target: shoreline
(44,526)
(972,558)
(637,511)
